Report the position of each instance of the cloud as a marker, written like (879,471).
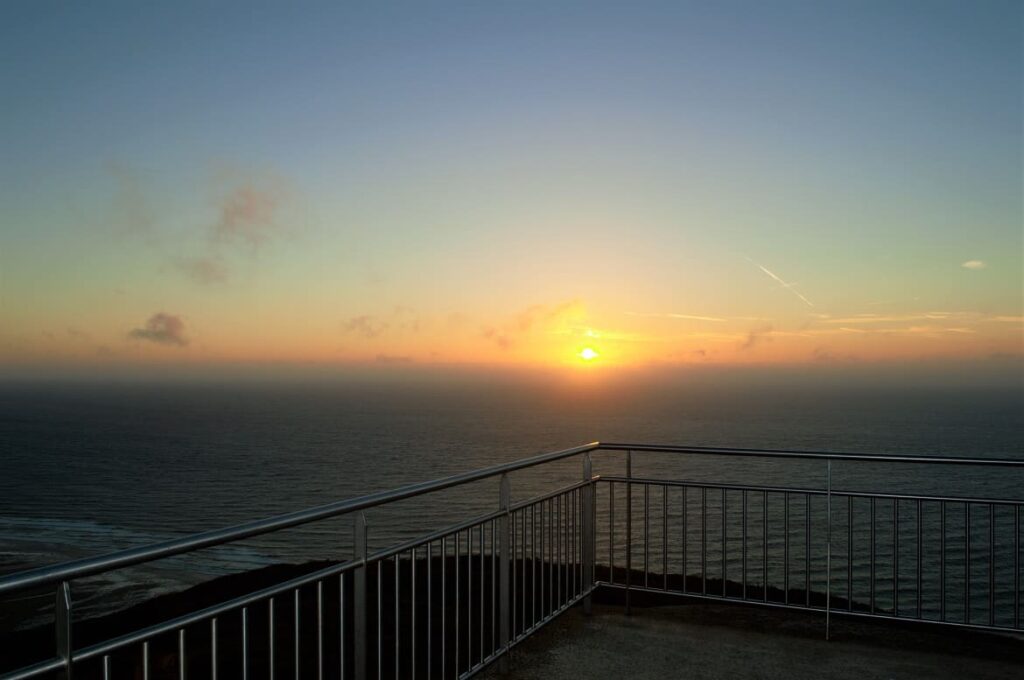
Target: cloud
(366,325)
(205,270)
(825,355)
(788,286)
(674,315)
(248,214)
(546,315)
(501,339)
(755,336)
(392,359)
(974,264)
(560,318)
(163,329)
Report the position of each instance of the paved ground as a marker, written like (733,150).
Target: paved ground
(712,641)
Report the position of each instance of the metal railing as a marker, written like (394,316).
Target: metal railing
(450,603)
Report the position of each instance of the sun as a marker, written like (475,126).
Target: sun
(588,354)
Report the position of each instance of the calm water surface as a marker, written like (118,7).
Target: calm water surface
(89,469)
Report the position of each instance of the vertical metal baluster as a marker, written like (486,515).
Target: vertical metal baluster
(807,549)
(341,625)
(849,553)
(398,630)
(991,564)
(573,541)
(482,591)
(245,643)
(543,562)
(270,637)
(664,537)
(444,606)
(517,592)
(568,561)
(145,662)
(647,532)
(182,662)
(896,557)
(744,545)
(1016,566)
(380,620)
(764,545)
(629,529)
(872,559)
(458,557)
(552,555)
(942,561)
(469,598)
(725,542)
(533,565)
(504,501)
(704,540)
(359,618)
(558,550)
(967,562)
(430,610)
(685,537)
(611,532)
(785,547)
(297,648)
(920,598)
(577,540)
(213,648)
(412,610)
(828,548)
(62,626)
(589,532)
(106,667)
(522,572)
(494,584)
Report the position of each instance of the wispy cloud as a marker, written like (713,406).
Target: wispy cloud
(365,325)
(674,315)
(974,264)
(755,336)
(248,214)
(163,329)
(788,286)
(205,269)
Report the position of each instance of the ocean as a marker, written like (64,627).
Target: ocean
(90,468)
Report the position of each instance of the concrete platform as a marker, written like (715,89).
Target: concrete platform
(733,642)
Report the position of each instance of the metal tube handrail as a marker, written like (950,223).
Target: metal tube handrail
(65,571)
(810,455)
(809,491)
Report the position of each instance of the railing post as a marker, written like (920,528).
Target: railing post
(828,553)
(504,561)
(588,531)
(62,621)
(359,599)
(629,528)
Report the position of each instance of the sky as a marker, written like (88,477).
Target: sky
(578,186)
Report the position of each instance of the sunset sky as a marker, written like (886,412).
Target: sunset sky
(524,184)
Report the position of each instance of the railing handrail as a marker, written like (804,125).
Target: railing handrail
(811,455)
(65,571)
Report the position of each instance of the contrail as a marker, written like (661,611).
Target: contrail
(673,315)
(788,286)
